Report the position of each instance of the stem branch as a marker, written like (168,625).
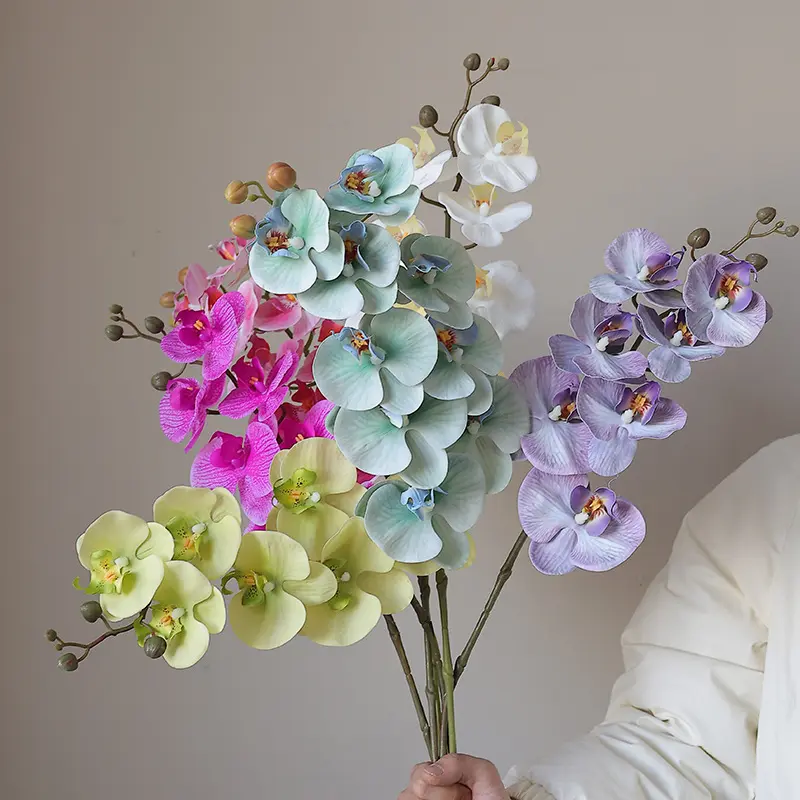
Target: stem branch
(447,662)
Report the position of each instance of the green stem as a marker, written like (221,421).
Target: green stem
(431,684)
(397,641)
(447,662)
(500,582)
(776,228)
(264,195)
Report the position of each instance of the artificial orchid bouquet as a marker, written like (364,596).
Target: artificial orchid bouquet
(371,435)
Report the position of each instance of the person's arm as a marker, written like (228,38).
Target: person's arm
(683,718)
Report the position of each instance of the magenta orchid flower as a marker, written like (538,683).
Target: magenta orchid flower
(298,424)
(602,330)
(640,263)
(210,337)
(677,345)
(259,391)
(183,407)
(558,442)
(573,526)
(283,311)
(619,416)
(723,308)
(233,462)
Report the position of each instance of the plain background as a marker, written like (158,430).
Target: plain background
(122,124)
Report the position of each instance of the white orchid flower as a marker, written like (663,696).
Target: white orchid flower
(478,223)
(429,167)
(504,296)
(492,150)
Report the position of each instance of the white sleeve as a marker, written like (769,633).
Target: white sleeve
(683,718)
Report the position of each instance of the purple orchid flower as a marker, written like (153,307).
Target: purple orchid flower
(183,407)
(619,416)
(240,463)
(640,263)
(723,308)
(602,330)
(558,442)
(677,345)
(211,337)
(572,526)
(259,391)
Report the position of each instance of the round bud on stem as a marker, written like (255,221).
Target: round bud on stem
(791,230)
(757,260)
(699,237)
(281,176)
(472,61)
(182,273)
(236,192)
(428,116)
(154,646)
(68,662)
(491,100)
(766,215)
(160,381)
(114,332)
(154,324)
(243,226)
(91,611)
(503,64)
(167,300)
(115,308)
(50,635)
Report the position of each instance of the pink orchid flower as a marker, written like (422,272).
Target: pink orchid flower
(240,463)
(298,424)
(257,391)
(252,295)
(305,373)
(182,409)
(208,337)
(282,311)
(229,249)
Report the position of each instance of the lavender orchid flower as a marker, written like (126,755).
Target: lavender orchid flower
(619,416)
(677,345)
(602,330)
(558,442)
(640,263)
(723,308)
(572,526)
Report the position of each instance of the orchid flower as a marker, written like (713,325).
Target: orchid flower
(282,311)
(183,407)
(478,223)
(429,167)
(504,296)
(298,424)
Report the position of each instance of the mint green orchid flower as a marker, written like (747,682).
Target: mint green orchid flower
(412,446)
(368,585)
(294,246)
(465,358)
(416,525)
(276,583)
(316,491)
(185,611)
(377,183)
(125,557)
(438,275)
(205,525)
(383,363)
(368,280)
(492,437)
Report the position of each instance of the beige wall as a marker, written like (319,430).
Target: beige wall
(122,123)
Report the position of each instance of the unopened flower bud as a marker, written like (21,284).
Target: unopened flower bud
(699,237)
(68,662)
(182,273)
(154,324)
(757,260)
(91,611)
(491,100)
(115,317)
(428,116)
(114,332)
(472,61)
(154,646)
(167,300)
(160,380)
(115,308)
(791,230)
(243,226)
(236,192)
(281,176)
(503,64)
(766,215)
(50,635)
(59,646)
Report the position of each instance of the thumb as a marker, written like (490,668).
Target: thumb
(476,773)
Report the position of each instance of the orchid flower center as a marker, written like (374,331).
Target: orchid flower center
(358,181)
(187,535)
(483,283)
(183,397)
(639,404)
(729,288)
(166,620)
(344,581)
(358,343)
(593,508)
(106,573)
(297,494)
(278,235)
(612,333)
(564,406)
(232,453)
(509,141)
(255,586)
(420,501)
(426,266)
(195,328)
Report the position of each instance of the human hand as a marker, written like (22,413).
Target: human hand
(455,777)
